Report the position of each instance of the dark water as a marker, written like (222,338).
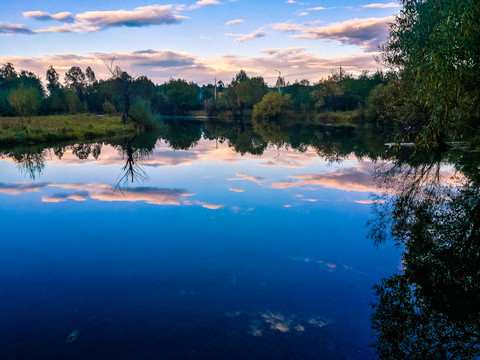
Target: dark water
(204,240)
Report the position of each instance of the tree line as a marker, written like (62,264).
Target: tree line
(81,92)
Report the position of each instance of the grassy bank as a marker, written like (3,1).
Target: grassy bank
(44,129)
(346,118)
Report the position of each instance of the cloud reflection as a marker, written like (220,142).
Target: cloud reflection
(102,192)
(358,178)
(17,189)
(265,322)
(236,190)
(210,206)
(241,176)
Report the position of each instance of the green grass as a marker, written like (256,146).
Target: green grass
(340,117)
(333,118)
(44,129)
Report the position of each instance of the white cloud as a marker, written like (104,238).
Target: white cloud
(292,50)
(234,22)
(161,65)
(381,6)
(141,16)
(91,21)
(201,3)
(288,27)
(368,33)
(244,37)
(14,29)
(41,15)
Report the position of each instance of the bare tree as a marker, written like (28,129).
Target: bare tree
(125,80)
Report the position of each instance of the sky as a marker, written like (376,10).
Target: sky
(196,40)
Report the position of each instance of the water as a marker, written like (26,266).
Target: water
(229,243)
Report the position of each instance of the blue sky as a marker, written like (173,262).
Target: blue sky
(196,40)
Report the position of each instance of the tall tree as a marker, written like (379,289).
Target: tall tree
(241,76)
(179,96)
(90,75)
(246,92)
(8,74)
(75,80)
(125,80)
(52,80)
(435,44)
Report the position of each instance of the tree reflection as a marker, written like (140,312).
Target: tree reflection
(182,135)
(132,171)
(82,151)
(332,143)
(272,133)
(30,161)
(431,310)
(96,150)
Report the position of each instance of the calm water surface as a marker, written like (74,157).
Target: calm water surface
(211,252)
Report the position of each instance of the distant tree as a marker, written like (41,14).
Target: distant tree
(125,80)
(52,80)
(25,101)
(208,92)
(301,95)
(143,88)
(220,86)
(241,77)
(75,80)
(72,101)
(90,76)
(246,92)
(8,75)
(272,105)
(30,80)
(179,96)
(280,82)
(57,101)
(92,98)
(227,100)
(327,92)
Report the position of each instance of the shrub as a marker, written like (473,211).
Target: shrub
(109,108)
(272,105)
(25,101)
(141,111)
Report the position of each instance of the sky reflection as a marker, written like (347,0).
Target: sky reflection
(260,253)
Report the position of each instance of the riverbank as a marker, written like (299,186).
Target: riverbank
(52,128)
(83,127)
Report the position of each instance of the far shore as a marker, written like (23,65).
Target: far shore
(54,128)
